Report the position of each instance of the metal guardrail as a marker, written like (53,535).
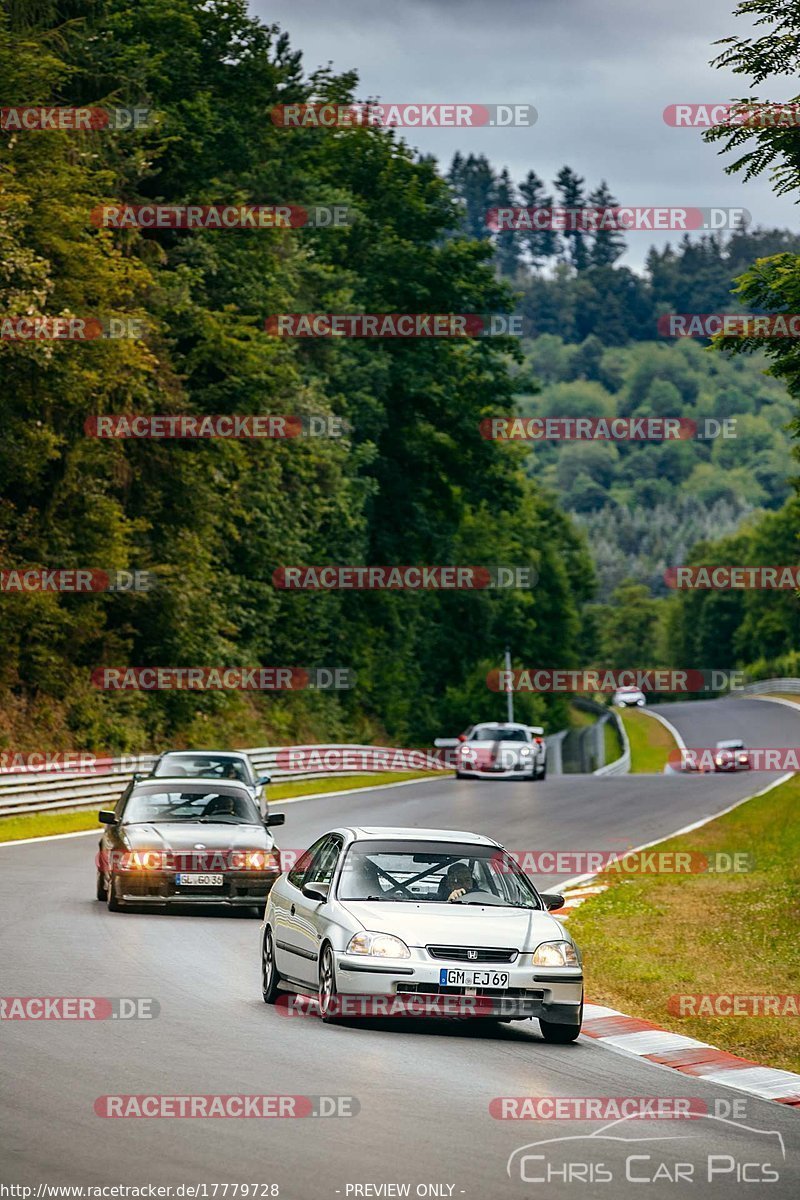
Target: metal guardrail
(792,686)
(621,765)
(38,791)
(101,782)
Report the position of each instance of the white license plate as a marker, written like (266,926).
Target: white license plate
(450,977)
(192,880)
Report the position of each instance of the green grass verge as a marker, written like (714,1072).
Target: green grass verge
(653,936)
(651,743)
(611,742)
(45,824)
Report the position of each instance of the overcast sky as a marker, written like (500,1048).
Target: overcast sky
(599,72)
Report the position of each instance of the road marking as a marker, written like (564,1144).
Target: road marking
(667,725)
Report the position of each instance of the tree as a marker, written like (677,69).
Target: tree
(571,196)
(540,244)
(607,244)
(507,243)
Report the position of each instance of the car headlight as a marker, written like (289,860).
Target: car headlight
(377,945)
(719,759)
(525,750)
(555,954)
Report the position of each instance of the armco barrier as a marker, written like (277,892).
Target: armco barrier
(792,686)
(39,791)
(621,765)
(36,791)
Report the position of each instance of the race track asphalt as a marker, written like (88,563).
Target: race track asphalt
(423,1088)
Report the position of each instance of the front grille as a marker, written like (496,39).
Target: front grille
(477,954)
(434,989)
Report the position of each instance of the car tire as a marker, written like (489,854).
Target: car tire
(327,986)
(114,905)
(559,1034)
(269,974)
(102,890)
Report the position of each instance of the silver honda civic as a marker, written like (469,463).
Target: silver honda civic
(428,922)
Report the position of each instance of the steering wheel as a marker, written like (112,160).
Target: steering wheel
(478,897)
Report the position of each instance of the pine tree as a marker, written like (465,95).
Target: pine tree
(571,196)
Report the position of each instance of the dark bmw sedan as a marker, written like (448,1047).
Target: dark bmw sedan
(187,841)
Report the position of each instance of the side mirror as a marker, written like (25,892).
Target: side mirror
(139,775)
(552,900)
(275,819)
(316,891)
(263,781)
(106,817)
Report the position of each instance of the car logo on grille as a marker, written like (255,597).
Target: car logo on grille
(472,955)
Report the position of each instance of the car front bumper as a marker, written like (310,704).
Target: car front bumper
(518,772)
(239,889)
(553,994)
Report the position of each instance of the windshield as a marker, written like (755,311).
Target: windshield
(431,872)
(499,735)
(203,766)
(208,806)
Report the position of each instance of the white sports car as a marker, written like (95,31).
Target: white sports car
(420,914)
(499,750)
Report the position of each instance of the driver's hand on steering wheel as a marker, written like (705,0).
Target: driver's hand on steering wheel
(457,894)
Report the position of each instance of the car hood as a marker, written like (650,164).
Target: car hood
(183,837)
(457,924)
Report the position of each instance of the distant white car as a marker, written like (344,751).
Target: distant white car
(629,697)
(424,914)
(499,750)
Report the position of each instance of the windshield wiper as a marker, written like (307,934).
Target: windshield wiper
(221,821)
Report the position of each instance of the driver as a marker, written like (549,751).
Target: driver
(458,881)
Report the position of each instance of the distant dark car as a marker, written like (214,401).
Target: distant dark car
(732,756)
(186,841)
(213,764)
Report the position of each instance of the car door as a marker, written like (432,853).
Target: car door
(305,927)
(296,945)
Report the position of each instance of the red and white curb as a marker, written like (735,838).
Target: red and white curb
(620,1032)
